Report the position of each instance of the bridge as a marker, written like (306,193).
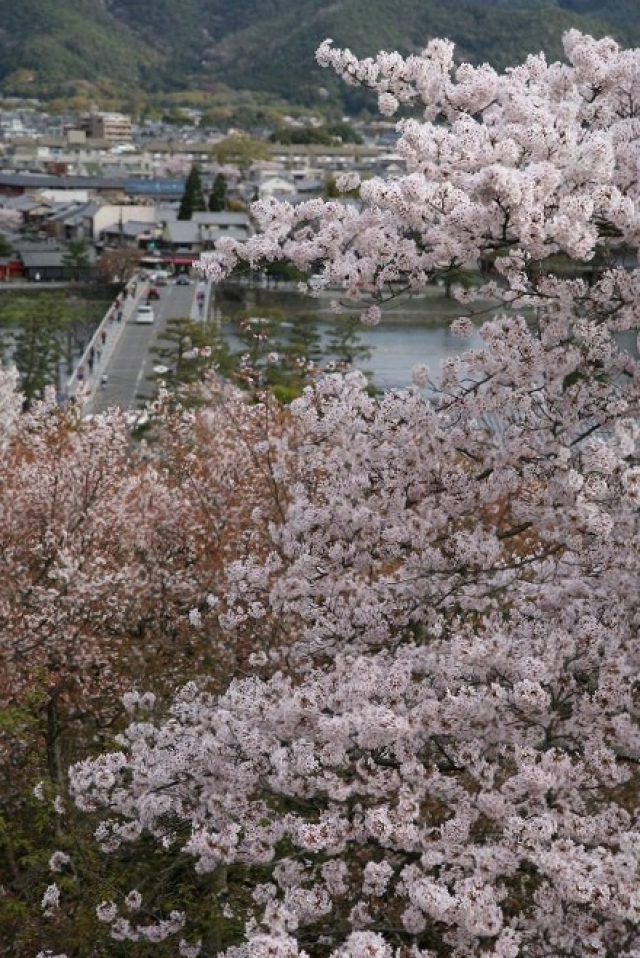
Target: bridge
(116,368)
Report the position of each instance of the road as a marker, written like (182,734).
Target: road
(129,365)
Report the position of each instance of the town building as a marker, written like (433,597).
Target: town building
(114,127)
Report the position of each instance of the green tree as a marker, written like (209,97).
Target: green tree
(342,132)
(344,343)
(76,260)
(454,275)
(283,352)
(5,246)
(183,352)
(305,135)
(240,151)
(282,271)
(193,197)
(324,135)
(40,343)
(218,195)
(297,354)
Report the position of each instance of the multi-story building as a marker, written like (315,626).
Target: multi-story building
(114,127)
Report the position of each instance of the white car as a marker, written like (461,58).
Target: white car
(145,314)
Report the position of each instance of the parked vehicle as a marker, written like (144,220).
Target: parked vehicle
(145,314)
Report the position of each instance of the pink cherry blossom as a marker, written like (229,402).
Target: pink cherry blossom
(437,750)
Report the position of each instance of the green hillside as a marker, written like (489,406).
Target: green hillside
(53,49)
(281,51)
(48,47)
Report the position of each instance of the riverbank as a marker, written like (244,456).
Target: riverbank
(430,305)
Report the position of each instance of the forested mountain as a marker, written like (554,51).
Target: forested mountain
(93,46)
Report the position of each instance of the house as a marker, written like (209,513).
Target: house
(111,222)
(212,226)
(127,234)
(73,222)
(181,234)
(201,232)
(16,184)
(33,208)
(46,263)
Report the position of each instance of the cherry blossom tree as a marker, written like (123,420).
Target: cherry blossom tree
(86,610)
(112,553)
(10,220)
(113,564)
(443,758)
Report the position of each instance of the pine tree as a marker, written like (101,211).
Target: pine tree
(183,352)
(218,195)
(344,343)
(40,344)
(193,197)
(76,260)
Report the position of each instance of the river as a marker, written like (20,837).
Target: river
(412,331)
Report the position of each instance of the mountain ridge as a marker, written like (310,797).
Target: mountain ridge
(52,50)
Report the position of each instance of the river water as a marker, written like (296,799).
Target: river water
(412,332)
(396,348)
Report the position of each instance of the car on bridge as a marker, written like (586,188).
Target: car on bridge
(145,314)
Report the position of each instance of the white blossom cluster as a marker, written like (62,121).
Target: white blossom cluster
(445,760)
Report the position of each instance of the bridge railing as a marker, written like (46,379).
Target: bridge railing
(85,378)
